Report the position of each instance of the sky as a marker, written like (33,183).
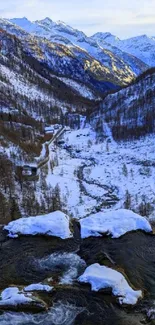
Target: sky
(124,18)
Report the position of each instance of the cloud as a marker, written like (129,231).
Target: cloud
(122,17)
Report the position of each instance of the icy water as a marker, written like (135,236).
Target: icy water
(57,262)
(58,314)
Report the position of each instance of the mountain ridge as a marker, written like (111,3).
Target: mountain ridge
(60,32)
(137,46)
(143,46)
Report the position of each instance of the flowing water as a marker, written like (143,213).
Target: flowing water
(27,260)
(69,265)
(59,314)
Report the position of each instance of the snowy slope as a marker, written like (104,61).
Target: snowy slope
(109,42)
(105,37)
(130,112)
(68,61)
(45,27)
(142,47)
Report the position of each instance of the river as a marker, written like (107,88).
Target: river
(28,260)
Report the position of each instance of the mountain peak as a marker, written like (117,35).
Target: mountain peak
(23,23)
(61,22)
(47,20)
(105,37)
(20,21)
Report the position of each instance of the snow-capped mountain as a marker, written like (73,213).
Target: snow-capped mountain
(72,63)
(26,72)
(119,64)
(46,27)
(105,37)
(143,47)
(135,64)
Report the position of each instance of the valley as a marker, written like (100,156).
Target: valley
(77,176)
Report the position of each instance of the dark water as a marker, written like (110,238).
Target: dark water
(28,260)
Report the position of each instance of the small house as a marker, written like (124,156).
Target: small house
(29,170)
(49,129)
(48,133)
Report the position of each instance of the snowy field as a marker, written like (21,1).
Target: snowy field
(96,176)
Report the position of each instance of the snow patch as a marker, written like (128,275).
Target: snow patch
(38,287)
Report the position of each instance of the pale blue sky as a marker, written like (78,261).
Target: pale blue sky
(123,18)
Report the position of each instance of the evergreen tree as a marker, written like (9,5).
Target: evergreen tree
(127,202)
(14,210)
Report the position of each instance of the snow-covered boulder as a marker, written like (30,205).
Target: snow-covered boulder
(52,224)
(38,287)
(13,297)
(101,277)
(114,223)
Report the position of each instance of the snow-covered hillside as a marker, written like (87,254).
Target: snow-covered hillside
(110,43)
(130,112)
(88,166)
(142,47)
